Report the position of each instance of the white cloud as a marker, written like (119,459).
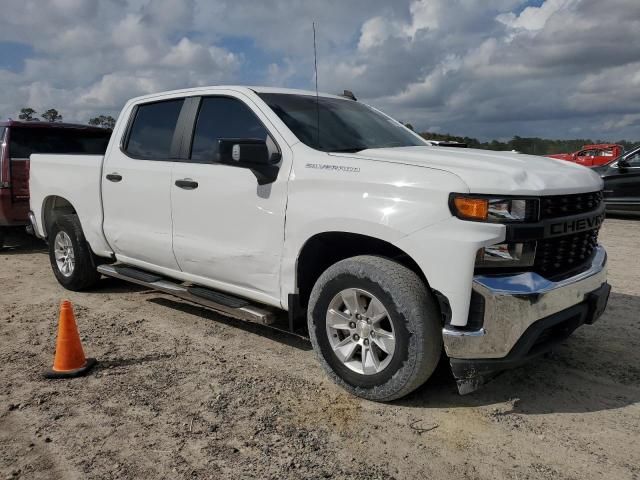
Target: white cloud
(535,18)
(279,74)
(376,31)
(494,68)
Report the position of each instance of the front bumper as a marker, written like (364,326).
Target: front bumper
(518,310)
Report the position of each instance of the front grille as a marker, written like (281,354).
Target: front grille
(567,205)
(562,255)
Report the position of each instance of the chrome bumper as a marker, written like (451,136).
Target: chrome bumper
(514,302)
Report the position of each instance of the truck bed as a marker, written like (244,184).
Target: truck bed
(75,179)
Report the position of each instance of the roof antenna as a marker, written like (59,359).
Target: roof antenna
(315,66)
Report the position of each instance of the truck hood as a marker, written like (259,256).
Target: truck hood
(493,172)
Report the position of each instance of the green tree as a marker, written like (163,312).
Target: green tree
(531,145)
(409,126)
(27,114)
(104,121)
(52,115)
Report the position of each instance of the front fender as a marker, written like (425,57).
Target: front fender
(378,199)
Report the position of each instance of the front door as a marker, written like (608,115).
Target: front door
(136,180)
(228,229)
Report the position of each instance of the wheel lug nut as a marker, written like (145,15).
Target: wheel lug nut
(358,316)
(369,321)
(366,341)
(356,337)
(352,325)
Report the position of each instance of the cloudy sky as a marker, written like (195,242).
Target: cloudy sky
(490,68)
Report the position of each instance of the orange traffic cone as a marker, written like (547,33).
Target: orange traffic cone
(69,360)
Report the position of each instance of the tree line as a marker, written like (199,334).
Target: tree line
(28,114)
(529,145)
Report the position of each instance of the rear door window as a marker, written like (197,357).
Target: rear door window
(25,141)
(152,130)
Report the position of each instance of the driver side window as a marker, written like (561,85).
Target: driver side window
(223,117)
(634,160)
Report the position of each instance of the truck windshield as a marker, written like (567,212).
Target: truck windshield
(344,126)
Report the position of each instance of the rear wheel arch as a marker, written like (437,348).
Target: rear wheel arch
(54,207)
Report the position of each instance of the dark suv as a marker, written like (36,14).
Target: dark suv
(18,140)
(622,183)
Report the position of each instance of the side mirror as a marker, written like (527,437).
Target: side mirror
(249,152)
(623,164)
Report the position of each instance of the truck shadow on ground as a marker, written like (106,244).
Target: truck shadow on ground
(586,373)
(575,378)
(519,389)
(20,243)
(274,334)
(114,285)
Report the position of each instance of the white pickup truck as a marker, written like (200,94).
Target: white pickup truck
(391,252)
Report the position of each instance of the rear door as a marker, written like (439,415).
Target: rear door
(228,229)
(136,181)
(602,156)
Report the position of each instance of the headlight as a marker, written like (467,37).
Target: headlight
(507,255)
(493,209)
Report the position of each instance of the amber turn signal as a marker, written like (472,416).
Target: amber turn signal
(472,208)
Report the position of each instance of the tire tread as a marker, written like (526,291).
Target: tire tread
(414,301)
(85,274)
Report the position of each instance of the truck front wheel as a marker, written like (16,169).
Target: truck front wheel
(375,327)
(70,256)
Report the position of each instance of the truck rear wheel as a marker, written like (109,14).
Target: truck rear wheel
(70,256)
(375,327)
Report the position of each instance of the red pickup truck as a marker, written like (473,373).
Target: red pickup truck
(18,140)
(592,155)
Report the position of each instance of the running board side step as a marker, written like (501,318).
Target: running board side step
(221,302)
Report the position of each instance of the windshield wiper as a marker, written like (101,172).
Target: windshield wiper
(348,150)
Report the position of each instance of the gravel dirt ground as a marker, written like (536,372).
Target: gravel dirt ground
(182,392)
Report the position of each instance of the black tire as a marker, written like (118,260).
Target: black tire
(411,309)
(84,274)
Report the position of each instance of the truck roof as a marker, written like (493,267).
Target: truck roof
(237,88)
(39,124)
